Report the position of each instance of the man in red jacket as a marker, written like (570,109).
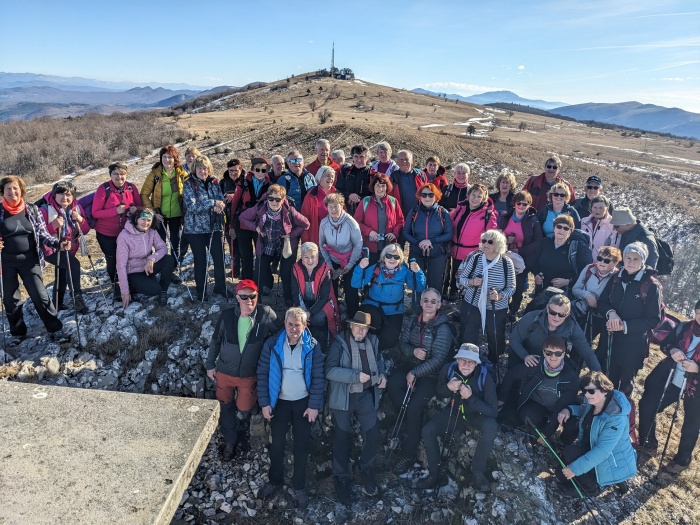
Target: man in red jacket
(323,157)
(539,185)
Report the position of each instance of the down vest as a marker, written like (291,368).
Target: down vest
(435,336)
(611,454)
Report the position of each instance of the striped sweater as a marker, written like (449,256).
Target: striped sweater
(503,280)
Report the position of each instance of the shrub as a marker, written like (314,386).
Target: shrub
(324,115)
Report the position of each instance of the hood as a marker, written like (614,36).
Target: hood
(130,228)
(619,405)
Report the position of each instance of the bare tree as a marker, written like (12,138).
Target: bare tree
(312,105)
(471,129)
(522,126)
(324,115)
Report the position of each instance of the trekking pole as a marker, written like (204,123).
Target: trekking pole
(414,296)
(223,254)
(394,437)
(609,357)
(658,407)
(206,269)
(447,441)
(4,313)
(92,265)
(670,428)
(70,275)
(57,273)
(177,261)
(495,342)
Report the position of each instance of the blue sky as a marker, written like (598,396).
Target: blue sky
(559,50)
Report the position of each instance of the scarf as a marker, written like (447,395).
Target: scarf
(14,210)
(460,185)
(484,290)
(552,372)
(389,274)
(356,360)
(337,224)
(627,277)
(688,338)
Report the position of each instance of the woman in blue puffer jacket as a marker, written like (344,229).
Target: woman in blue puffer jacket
(603,453)
(428,229)
(384,299)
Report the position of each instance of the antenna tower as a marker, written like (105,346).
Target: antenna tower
(333,60)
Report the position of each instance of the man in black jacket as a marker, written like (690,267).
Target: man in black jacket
(473,403)
(353,179)
(631,230)
(232,363)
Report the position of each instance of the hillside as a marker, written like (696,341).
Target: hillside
(636,115)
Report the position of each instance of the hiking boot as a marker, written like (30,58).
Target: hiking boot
(622,488)
(80,305)
(369,485)
(480,483)
(403,465)
(229,451)
(163,300)
(343,490)
(59,336)
(268,491)
(674,468)
(16,321)
(432,481)
(175,279)
(62,307)
(302,499)
(648,448)
(453,296)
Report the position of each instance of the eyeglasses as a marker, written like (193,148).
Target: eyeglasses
(427,195)
(394,256)
(521,203)
(562,195)
(590,391)
(486,241)
(295,161)
(604,260)
(550,167)
(557,314)
(550,353)
(562,227)
(248,296)
(429,301)
(592,187)
(274,199)
(260,170)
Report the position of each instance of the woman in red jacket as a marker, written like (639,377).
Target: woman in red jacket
(469,221)
(114,201)
(379,216)
(313,207)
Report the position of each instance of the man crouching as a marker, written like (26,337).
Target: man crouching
(473,403)
(355,371)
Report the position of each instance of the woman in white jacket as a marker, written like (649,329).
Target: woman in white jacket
(598,227)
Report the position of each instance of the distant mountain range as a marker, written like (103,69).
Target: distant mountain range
(647,117)
(496,96)
(26,96)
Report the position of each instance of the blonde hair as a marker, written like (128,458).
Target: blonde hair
(506,175)
(203,160)
(391,248)
(279,190)
(499,240)
(334,198)
(559,186)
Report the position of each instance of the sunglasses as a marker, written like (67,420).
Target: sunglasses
(429,301)
(274,199)
(486,241)
(394,256)
(427,195)
(557,314)
(550,353)
(246,296)
(550,167)
(562,227)
(590,391)
(562,195)
(295,161)
(592,187)
(521,204)
(260,170)
(604,260)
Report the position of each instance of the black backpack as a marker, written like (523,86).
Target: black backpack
(665,264)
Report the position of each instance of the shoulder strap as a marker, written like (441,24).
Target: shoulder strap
(365,203)
(448,190)
(375,274)
(487,217)
(589,273)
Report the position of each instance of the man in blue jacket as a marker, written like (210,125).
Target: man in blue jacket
(290,392)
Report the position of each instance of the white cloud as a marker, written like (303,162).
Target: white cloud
(674,79)
(521,67)
(459,88)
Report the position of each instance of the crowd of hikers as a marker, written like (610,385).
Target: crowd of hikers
(335,235)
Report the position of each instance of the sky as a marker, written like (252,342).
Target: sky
(559,50)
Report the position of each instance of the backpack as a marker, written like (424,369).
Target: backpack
(665,264)
(580,240)
(414,214)
(86,202)
(375,274)
(366,200)
(485,368)
(473,257)
(667,323)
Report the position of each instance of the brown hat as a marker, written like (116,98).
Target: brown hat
(362,318)
(622,216)
(259,160)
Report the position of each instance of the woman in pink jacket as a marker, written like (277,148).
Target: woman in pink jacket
(65,219)
(113,201)
(597,226)
(469,221)
(141,255)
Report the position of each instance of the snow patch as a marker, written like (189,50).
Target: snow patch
(433,126)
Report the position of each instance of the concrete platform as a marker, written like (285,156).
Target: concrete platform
(75,456)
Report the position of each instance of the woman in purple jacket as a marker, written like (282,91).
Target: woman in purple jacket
(141,256)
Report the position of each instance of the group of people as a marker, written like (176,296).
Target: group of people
(336,234)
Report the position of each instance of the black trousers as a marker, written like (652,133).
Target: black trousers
(624,365)
(386,327)
(451,270)
(155,283)
(438,427)
(360,405)
(108,245)
(288,413)
(245,246)
(517,298)
(352,296)
(586,481)
(423,391)
(266,263)
(470,317)
(66,258)
(200,243)
(653,389)
(29,271)
(434,269)
(179,245)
